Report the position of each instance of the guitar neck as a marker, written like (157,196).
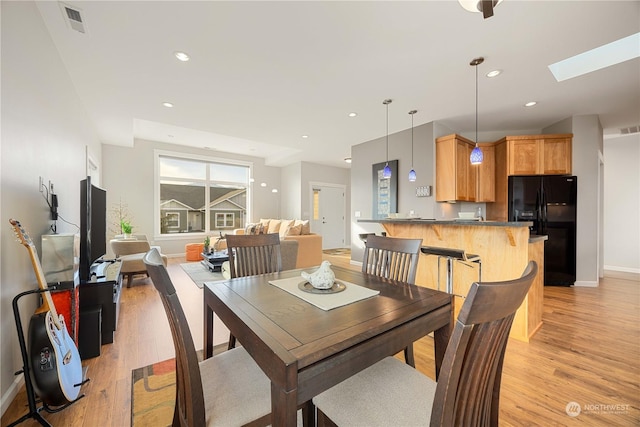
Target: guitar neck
(47,301)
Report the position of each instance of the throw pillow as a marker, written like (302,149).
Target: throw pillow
(294,230)
(284,227)
(265,222)
(274,226)
(306,227)
(254,229)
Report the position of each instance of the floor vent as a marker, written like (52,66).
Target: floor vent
(73,16)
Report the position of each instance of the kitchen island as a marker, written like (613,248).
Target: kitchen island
(505,248)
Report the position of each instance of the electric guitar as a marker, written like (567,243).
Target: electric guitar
(53,356)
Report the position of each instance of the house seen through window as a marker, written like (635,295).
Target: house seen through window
(198,195)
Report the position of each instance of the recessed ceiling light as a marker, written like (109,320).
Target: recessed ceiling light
(352,114)
(182,56)
(263,184)
(494,73)
(274,190)
(347,159)
(167,104)
(305,136)
(530,104)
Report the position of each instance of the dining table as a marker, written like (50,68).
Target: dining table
(305,349)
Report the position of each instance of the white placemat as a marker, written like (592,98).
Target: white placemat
(327,302)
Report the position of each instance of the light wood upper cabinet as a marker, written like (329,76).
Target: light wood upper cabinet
(454,177)
(539,154)
(486,174)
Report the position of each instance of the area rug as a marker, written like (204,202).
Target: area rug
(153,392)
(200,274)
(339,251)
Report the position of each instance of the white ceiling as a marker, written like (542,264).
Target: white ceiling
(262,74)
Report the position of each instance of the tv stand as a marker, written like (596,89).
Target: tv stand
(103,290)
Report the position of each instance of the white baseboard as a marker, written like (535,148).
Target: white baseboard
(623,269)
(352,262)
(586,284)
(12,392)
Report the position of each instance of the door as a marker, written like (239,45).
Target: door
(329,215)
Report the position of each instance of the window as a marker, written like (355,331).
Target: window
(225,220)
(199,194)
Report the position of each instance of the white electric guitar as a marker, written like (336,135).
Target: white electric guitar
(53,356)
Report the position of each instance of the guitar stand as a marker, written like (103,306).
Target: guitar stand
(34,409)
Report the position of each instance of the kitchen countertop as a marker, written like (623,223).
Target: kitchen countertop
(449,222)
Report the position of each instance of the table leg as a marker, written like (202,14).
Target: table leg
(440,341)
(208,329)
(284,407)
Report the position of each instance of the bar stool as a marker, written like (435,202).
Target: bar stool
(452,255)
(363,236)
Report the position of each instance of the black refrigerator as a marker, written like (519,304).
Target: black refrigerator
(550,203)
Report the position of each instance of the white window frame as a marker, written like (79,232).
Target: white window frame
(195,157)
(225,216)
(177,215)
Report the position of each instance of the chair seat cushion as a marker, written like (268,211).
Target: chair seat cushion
(236,391)
(363,399)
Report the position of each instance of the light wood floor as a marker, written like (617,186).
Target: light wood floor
(588,352)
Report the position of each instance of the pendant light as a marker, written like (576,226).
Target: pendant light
(476,154)
(412,172)
(386,172)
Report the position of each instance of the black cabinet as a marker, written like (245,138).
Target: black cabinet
(103,291)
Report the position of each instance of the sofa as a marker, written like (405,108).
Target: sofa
(130,252)
(309,244)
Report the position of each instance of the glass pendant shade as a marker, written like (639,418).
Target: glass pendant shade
(476,156)
(412,175)
(386,172)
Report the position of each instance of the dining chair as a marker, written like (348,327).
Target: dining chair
(226,389)
(253,254)
(468,389)
(396,259)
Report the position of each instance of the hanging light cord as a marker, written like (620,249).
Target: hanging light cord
(387,104)
(476,67)
(412,112)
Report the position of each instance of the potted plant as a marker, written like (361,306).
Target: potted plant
(126,228)
(207,242)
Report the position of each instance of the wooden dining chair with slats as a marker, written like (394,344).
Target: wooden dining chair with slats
(396,259)
(226,389)
(250,255)
(467,392)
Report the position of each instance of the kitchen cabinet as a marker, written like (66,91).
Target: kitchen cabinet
(539,154)
(456,178)
(486,178)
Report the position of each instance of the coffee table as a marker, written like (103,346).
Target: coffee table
(213,260)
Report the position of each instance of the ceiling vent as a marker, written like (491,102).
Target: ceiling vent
(73,17)
(630,130)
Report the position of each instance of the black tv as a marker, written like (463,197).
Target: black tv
(93,226)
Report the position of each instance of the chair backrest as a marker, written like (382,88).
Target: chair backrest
(250,255)
(189,408)
(468,389)
(391,258)
(122,247)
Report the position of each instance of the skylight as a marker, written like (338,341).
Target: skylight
(595,59)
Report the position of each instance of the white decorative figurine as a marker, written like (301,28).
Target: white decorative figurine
(322,278)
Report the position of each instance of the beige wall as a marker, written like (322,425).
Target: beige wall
(45,132)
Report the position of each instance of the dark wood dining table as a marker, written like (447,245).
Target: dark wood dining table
(305,350)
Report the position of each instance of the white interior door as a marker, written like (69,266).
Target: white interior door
(328,215)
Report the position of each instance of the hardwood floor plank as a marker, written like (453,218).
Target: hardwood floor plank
(587,351)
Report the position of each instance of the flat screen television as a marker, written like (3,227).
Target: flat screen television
(93,226)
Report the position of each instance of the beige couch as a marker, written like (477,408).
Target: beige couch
(130,252)
(309,244)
